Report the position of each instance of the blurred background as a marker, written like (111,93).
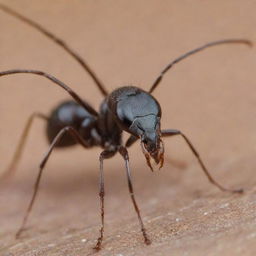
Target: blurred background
(210,97)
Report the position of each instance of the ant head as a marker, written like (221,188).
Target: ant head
(139,113)
(148,129)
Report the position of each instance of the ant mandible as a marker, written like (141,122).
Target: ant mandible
(128,108)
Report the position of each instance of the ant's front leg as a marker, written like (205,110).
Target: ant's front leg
(124,153)
(104,155)
(172,132)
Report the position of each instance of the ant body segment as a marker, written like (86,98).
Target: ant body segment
(128,108)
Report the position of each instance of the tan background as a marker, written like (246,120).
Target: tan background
(210,97)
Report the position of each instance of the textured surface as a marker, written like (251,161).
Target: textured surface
(210,97)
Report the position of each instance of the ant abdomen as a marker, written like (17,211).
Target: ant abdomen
(67,114)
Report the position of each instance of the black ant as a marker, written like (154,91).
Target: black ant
(128,108)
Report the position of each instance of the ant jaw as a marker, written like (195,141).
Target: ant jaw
(157,156)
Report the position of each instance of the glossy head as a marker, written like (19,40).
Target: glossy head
(139,113)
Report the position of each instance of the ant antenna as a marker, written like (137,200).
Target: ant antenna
(56,81)
(60,42)
(227,41)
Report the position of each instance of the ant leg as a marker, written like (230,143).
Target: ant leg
(171,132)
(131,140)
(19,149)
(124,153)
(58,137)
(104,155)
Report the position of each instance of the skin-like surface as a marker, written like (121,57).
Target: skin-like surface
(210,97)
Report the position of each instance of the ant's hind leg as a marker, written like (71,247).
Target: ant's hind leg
(10,170)
(171,132)
(56,140)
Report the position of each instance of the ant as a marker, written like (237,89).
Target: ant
(127,108)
